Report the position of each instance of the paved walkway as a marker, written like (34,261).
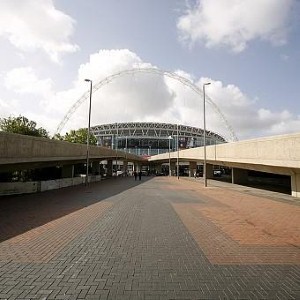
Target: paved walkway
(158,238)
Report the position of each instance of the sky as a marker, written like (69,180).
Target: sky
(249,50)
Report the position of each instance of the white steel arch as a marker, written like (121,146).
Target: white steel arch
(152,70)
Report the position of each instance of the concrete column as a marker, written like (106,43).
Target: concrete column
(137,167)
(209,171)
(101,170)
(173,168)
(239,176)
(125,166)
(67,171)
(96,168)
(158,169)
(192,168)
(295,182)
(109,168)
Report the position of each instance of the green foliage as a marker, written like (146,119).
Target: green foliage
(77,136)
(22,125)
(58,136)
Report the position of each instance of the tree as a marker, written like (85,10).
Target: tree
(23,126)
(77,136)
(58,136)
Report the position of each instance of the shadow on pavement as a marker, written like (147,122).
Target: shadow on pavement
(21,213)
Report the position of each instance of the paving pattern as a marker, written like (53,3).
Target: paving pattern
(156,239)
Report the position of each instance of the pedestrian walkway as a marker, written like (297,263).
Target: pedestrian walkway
(158,238)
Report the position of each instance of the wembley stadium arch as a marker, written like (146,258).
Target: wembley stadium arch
(150,70)
(148,138)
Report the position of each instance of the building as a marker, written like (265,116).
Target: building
(149,138)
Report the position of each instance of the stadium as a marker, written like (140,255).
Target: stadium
(148,138)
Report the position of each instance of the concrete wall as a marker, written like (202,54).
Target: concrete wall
(278,154)
(13,188)
(295,182)
(22,149)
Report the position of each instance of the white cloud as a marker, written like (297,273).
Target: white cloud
(4,108)
(30,25)
(11,107)
(106,62)
(234,23)
(131,97)
(24,80)
(244,114)
(28,96)
(142,97)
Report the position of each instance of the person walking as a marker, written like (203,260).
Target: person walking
(140,175)
(135,175)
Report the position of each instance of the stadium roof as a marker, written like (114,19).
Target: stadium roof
(151,130)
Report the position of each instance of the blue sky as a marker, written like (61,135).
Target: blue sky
(251,56)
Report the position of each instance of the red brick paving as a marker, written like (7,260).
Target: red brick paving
(45,242)
(122,239)
(236,228)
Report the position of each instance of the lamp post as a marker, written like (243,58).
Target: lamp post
(126,161)
(169,138)
(204,136)
(88,133)
(177,152)
(116,148)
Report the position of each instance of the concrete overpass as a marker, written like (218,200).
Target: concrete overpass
(276,154)
(21,152)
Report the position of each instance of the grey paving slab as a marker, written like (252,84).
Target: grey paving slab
(140,249)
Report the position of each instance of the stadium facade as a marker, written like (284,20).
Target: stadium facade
(148,138)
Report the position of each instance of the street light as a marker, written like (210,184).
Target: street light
(204,136)
(116,147)
(170,138)
(88,134)
(177,152)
